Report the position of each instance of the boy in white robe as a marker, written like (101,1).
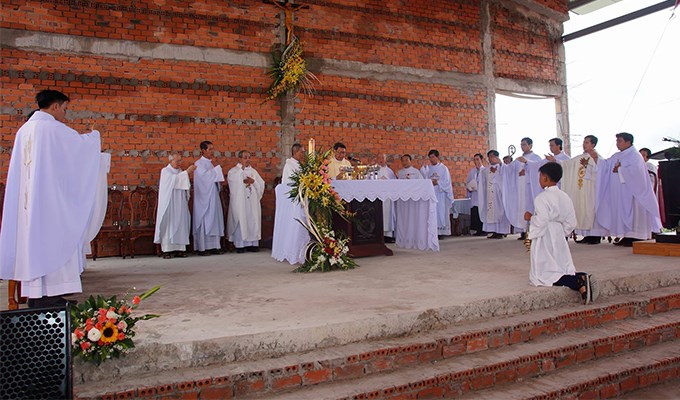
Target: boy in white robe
(50,207)
(244,222)
(554,218)
(208,217)
(290,237)
(440,176)
(173,222)
(408,171)
(632,210)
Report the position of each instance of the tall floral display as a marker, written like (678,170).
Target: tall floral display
(312,189)
(289,72)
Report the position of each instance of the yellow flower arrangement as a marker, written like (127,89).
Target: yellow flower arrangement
(290,72)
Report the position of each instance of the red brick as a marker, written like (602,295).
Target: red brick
(477,344)
(216,393)
(482,381)
(528,369)
(457,348)
(316,376)
(428,356)
(431,393)
(629,384)
(407,359)
(287,382)
(603,349)
(622,313)
(592,394)
(349,371)
(609,391)
(649,379)
(506,376)
(566,360)
(585,354)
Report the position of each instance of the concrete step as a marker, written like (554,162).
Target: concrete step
(472,372)
(371,357)
(632,374)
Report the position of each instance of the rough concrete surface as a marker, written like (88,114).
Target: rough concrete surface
(245,306)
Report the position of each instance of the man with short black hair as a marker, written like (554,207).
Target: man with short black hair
(208,217)
(56,183)
(518,190)
(632,211)
(408,171)
(555,145)
(440,176)
(338,161)
(490,188)
(471,184)
(652,168)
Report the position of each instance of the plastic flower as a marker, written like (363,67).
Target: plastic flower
(122,326)
(136,300)
(94,335)
(109,333)
(85,345)
(112,315)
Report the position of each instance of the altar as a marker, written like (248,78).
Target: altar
(415,207)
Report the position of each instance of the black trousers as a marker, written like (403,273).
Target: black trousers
(475,222)
(570,281)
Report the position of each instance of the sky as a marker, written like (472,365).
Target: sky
(622,79)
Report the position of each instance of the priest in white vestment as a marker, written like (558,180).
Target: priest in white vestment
(408,171)
(208,217)
(630,210)
(290,237)
(246,187)
(490,198)
(385,172)
(50,208)
(440,176)
(579,181)
(652,169)
(518,193)
(173,222)
(531,167)
(338,161)
(554,219)
(472,184)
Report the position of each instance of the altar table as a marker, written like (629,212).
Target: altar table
(415,205)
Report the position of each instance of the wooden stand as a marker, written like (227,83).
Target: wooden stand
(655,248)
(366,230)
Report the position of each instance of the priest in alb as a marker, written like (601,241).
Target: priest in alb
(208,218)
(173,222)
(579,181)
(338,161)
(439,174)
(631,210)
(408,171)
(290,237)
(519,197)
(50,208)
(531,167)
(490,198)
(472,185)
(246,187)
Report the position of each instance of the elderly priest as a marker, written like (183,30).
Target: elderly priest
(246,187)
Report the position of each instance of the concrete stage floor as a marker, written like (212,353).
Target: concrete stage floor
(230,307)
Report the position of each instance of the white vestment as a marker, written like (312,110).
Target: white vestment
(553,220)
(653,176)
(472,185)
(409,173)
(208,219)
(50,211)
(629,207)
(290,237)
(387,206)
(444,192)
(580,184)
(490,192)
(518,194)
(532,167)
(334,166)
(244,223)
(173,221)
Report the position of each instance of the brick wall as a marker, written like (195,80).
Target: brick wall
(396,77)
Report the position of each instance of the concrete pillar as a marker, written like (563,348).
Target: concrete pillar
(488,75)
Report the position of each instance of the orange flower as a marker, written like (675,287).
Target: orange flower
(136,300)
(79,333)
(121,336)
(85,345)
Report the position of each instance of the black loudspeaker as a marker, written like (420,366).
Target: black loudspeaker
(35,354)
(669,172)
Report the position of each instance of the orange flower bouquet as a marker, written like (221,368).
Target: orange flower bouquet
(104,328)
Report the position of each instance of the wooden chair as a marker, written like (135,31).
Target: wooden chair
(114,225)
(14,287)
(143,203)
(224,199)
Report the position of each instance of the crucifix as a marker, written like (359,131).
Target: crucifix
(288,8)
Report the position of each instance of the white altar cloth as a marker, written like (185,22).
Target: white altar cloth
(415,205)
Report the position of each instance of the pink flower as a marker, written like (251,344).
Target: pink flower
(121,336)
(85,345)
(79,333)
(136,300)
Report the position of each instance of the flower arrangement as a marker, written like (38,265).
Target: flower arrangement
(289,71)
(104,328)
(312,189)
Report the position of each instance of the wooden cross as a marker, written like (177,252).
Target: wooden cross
(288,8)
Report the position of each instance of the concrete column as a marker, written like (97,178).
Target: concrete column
(561,103)
(288,130)
(487,72)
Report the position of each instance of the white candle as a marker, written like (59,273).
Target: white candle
(310,146)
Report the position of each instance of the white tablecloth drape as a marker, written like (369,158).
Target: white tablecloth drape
(461,206)
(415,207)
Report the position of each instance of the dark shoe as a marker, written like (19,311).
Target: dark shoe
(167,256)
(240,250)
(590,240)
(252,249)
(181,254)
(522,236)
(202,253)
(480,233)
(389,239)
(496,236)
(625,242)
(216,251)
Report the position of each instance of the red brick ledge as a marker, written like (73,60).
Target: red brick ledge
(393,358)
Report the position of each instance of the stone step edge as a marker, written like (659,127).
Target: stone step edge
(457,384)
(328,371)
